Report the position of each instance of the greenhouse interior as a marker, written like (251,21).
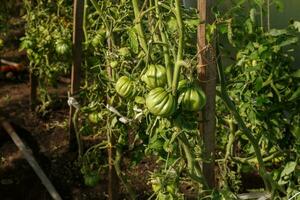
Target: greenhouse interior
(150,99)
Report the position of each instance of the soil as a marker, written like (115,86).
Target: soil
(47,136)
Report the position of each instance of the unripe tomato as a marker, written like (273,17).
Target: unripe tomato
(156,185)
(125,87)
(94,117)
(182,85)
(62,47)
(99,39)
(124,52)
(171,189)
(114,64)
(160,102)
(192,99)
(155,76)
(91,179)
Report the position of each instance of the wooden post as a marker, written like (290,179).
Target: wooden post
(77,59)
(207,75)
(33,90)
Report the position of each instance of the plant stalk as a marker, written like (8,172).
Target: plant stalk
(165,47)
(229,103)
(138,26)
(178,16)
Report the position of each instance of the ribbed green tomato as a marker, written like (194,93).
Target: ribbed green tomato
(62,47)
(155,76)
(192,99)
(125,87)
(160,102)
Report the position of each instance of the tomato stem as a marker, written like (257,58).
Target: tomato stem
(268,180)
(176,73)
(165,47)
(179,61)
(138,26)
(178,16)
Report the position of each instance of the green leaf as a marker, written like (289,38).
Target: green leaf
(134,43)
(296,25)
(279,5)
(295,95)
(296,131)
(285,174)
(289,168)
(277,32)
(296,74)
(259,83)
(252,14)
(289,41)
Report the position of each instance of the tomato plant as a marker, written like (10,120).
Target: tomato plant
(141,96)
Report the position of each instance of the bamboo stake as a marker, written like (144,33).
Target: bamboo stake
(30,159)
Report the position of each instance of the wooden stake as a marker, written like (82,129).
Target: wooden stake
(77,59)
(30,159)
(207,76)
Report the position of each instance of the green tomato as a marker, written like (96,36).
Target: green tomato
(155,76)
(62,47)
(156,185)
(125,87)
(182,85)
(160,102)
(192,99)
(91,179)
(94,117)
(171,189)
(114,64)
(124,52)
(99,39)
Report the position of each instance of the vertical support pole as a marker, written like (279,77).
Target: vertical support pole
(77,60)
(113,180)
(207,75)
(33,90)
